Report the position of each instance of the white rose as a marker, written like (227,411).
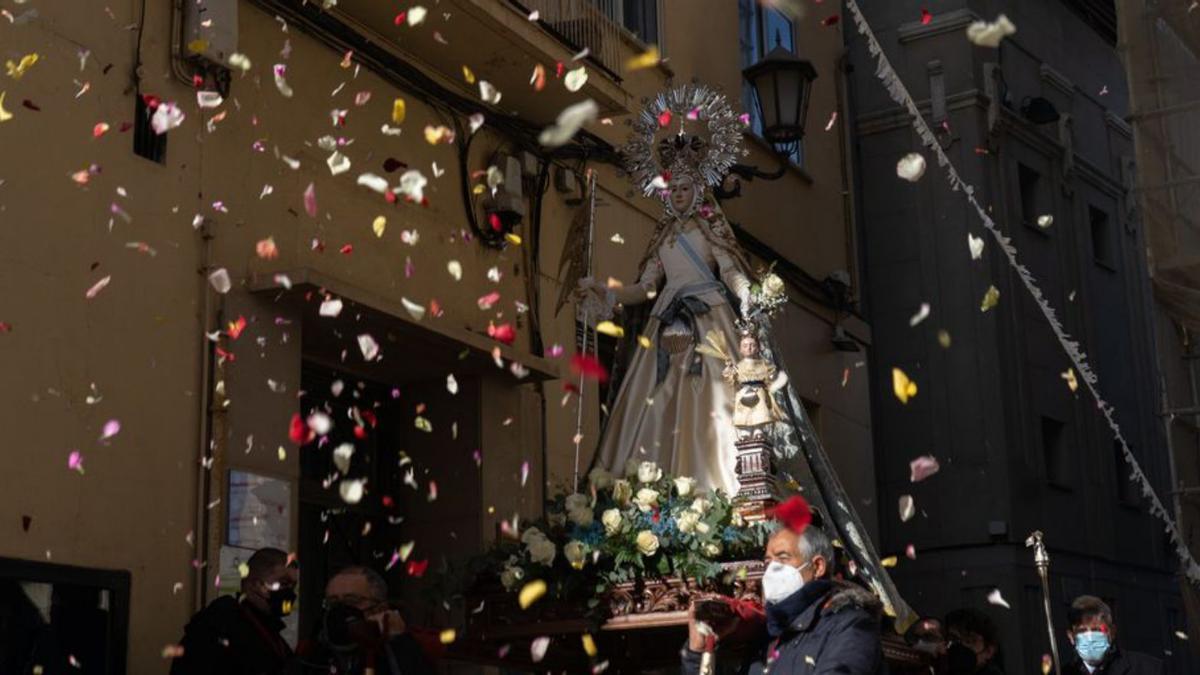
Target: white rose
(684,485)
(772,285)
(647,543)
(713,549)
(646,499)
(575,551)
(612,521)
(700,505)
(648,472)
(581,517)
(702,527)
(576,501)
(531,535)
(686,522)
(600,479)
(510,577)
(542,551)
(622,491)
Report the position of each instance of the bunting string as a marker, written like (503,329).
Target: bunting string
(899,93)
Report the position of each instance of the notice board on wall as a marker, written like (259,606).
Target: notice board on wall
(260,511)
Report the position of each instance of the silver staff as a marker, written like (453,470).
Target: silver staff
(584,347)
(1041,560)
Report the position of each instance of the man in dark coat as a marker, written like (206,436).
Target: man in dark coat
(241,635)
(814,624)
(1093,634)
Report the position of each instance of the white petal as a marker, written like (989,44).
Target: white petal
(911,167)
(975,244)
(220,280)
(368,346)
(995,598)
(331,307)
(568,123)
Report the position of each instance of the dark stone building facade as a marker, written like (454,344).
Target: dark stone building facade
(1019,450)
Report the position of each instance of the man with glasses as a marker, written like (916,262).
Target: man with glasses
(359,632)
(241,635)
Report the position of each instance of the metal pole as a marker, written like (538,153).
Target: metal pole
(584,346)
(1041,560)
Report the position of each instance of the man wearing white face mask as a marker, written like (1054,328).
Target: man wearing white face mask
(814,624)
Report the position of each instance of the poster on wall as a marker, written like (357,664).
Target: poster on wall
(259,511)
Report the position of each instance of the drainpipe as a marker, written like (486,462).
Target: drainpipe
(204,441)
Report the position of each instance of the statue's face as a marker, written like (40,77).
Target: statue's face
(748,347)
(682,194)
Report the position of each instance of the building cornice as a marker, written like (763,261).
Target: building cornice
(1057,80)
(955,20)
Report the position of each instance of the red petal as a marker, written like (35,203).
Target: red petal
(298,431)
(347,249)
(926,17)
(795,514)
(416,568)
(503,333)
(360,433)
(589,367)
(664,118)
(830,20)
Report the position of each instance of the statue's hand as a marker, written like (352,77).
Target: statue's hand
(588,286)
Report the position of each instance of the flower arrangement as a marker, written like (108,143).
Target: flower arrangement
(769,295)
(643,525)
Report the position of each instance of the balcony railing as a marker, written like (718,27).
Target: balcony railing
(592,24)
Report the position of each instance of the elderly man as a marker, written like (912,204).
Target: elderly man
(241,636)
(360,632)
(814,624)
(1094,636)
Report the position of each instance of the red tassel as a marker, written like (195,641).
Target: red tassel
(795,514)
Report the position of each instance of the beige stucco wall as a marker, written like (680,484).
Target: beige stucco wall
(140,340)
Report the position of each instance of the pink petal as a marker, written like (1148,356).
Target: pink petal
(111,428)
(310,200)
(75,461)
(524,473)
(923,467)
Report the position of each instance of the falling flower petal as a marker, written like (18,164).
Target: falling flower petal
(575,79)
(975,244)
(902,386)
(926,17)
(984,34)
(451,384)
(569,121)
(589,645)
(4,114)
(922,468)
(97,287)
(209,99)
(990,299)
(447,636)
(281,81)
(646,59)
(537,648)
(368,346)
(1045,221)
(414,310)
(416,15)
(338,163)
(378,225)
(412,185)
(351,490)
(342,455)
(330,308)
(1072,381)
(524,473)
(611,329)
(910,552)
(111,428)
(531,593)
(994,598)
(75,461)
(538,79)
(219,280)
(399,110)
(100,129)
(488,92)
(166,117)
(373,182)
(310,200)
(920,316)
(1047,664)
(455,269)
(890,561)
(266,249)
(907,508)
(911,167)
(504,333)
(589,367)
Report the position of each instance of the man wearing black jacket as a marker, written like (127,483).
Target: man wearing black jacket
(1093,634)
(814,624)
(241,636)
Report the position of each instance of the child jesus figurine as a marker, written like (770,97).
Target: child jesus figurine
(756,380)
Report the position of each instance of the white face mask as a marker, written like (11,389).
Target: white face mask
(779,581)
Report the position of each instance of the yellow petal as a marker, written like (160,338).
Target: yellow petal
(990,299)
(243,570)
(1072,381)
(4,114)
(610,328)
(644,342)
(398,111)
(379,225)
(198,46)
(447,636)
(646,59)
(944,338)
(468,75)
(531,593)
(589,645)
(513,239)
(16,70)
(889,561)
(282,454)
(903,387)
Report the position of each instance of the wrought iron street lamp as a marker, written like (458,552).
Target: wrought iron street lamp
(782,84)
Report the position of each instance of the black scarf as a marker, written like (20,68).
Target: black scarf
(781,614)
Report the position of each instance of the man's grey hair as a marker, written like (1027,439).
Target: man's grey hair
(379,587)
(812,542)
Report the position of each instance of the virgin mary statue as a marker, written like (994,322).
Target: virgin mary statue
(673,406)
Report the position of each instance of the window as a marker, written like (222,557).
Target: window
(760,29)
(641,18)
(1102,246)
(1054,452)
(51,612)
(1028,183)
(146,143)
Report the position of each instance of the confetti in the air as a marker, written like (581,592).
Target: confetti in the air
(903,387)
(922,468)
(908,508)
(920,316)
(524,473)
(986,34)
(281,84)
(310,200)
(111,428)
(575,79)
(975,245)
(1072,381)
(569,122)
(531,593)
(75,461)
(537,648)
(646,59)
(1045,221)
(447,636)
(990,299)
(351,490)
(220,281)
(97,287)
(368,346)
(994,598)
(911,167)
(611,329)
